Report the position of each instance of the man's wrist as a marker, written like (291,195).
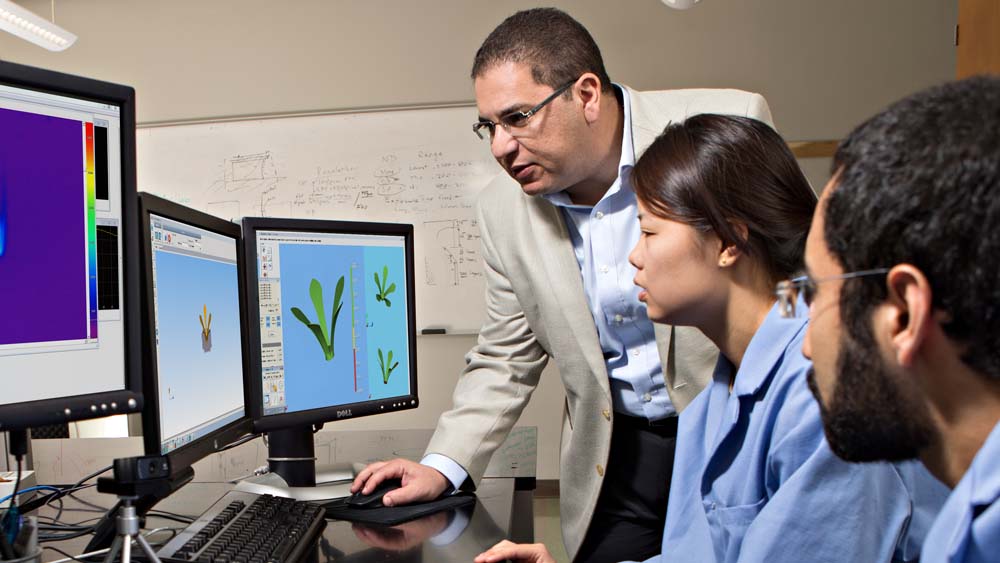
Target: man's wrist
(454,474)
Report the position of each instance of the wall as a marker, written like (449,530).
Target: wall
(822,65)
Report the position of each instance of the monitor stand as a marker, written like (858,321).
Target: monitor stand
(291,460)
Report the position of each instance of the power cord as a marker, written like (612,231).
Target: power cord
(10,524)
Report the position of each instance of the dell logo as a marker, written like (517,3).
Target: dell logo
(343,413)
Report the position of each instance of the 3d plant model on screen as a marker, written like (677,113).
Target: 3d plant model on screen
(323,335)
(386,365)
(206,329)
(384,287)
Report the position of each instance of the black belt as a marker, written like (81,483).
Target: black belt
(665,426)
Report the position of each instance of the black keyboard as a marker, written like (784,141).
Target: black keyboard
(248,528)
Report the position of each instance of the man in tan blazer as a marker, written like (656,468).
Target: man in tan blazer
(556,233)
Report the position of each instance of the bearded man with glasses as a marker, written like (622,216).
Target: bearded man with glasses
(556,232)
(904,328)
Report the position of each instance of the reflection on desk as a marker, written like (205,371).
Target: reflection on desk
(443,537)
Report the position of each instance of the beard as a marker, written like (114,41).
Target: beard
(868,417)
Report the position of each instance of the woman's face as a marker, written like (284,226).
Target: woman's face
(678,270)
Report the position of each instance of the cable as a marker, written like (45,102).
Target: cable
(171,516)
(29,489)
(59,511)
(79,558)
(63,527)
(92,475)
(11,520)
(17,484)
(63,537)
(63,491)
(237,442)
(49,498)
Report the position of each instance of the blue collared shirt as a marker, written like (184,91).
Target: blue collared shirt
(754,479)
(603,236)
(967,530)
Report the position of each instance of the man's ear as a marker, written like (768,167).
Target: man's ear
(588,88)
(907,315)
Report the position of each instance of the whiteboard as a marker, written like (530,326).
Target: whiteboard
(419,166)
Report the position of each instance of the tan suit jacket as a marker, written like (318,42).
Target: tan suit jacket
(538,310)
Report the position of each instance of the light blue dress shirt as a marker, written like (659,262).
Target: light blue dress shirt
(755,481)
(603,236)
(967,530)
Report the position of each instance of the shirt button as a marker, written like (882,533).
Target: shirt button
(604,269)
(619,318)
(635,352)
(599,215)
(600,470)
(647,397)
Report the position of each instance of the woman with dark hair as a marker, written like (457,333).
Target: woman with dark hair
(724,211)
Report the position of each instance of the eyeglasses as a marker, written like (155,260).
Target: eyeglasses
(517,119)
(788,290)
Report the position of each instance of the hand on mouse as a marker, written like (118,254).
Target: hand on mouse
(521,552)
(420,483)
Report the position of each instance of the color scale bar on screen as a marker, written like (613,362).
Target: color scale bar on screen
(91,189)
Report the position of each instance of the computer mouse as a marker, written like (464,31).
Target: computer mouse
(374,498)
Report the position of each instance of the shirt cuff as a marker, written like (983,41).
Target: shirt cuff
(452,471)
(454,529)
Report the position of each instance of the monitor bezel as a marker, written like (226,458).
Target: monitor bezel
(314,417)
(218,439)
(128,399)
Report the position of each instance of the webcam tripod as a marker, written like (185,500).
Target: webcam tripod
(127,524)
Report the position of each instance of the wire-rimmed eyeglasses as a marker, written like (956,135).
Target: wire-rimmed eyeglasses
(516,119)
(788,290)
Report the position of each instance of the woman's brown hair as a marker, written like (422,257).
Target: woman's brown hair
(718,172)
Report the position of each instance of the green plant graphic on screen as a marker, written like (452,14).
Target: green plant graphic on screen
(324,336)
(383,291)
(386,365)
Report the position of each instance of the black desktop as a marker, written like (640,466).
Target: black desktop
(332,306)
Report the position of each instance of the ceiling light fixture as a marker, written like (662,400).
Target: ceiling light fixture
(680,4)
(26,25)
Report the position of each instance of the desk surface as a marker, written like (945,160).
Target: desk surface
(341,542)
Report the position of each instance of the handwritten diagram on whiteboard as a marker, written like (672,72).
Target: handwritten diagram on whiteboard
(423,167)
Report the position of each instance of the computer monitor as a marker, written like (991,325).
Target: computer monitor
(333,331)
(195,347)
(68,253)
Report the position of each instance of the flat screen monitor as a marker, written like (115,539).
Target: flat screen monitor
(195,352)
(334,337)
(68,254)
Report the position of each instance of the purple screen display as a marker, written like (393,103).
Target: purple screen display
(43,276)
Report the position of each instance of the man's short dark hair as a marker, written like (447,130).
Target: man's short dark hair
(920,184)
(557,48)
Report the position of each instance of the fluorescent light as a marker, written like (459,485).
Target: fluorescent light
(26,25)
